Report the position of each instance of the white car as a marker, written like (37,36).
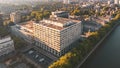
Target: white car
(36,56)
(30,52)
(41,60)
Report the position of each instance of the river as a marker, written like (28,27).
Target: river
(108,54)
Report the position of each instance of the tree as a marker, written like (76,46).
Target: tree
(76,12)
(18,43)
(3,32)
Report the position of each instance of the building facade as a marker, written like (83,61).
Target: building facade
(15,17)
(63,14)
(55,35)
(6,45)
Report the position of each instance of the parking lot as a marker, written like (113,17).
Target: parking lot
(38,58)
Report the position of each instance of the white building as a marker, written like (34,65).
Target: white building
(66,1)
(15,17)
(6,45)
(57,34)
(63,14)
(109,2)
(116,1)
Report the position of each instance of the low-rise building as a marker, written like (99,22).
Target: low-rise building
(63,14)
(6,45)
(91,26)
(24,31)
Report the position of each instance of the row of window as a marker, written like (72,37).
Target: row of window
(48,48)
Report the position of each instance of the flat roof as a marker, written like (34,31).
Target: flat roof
(28,25)
(51,25)
(59,12)
(59,20)
(62,20)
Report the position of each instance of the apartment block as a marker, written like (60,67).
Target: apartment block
(56,35)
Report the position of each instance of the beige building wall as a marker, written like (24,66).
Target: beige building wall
(54,40)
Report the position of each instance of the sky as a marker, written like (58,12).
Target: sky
(3,1)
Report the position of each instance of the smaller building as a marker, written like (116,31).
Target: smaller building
(6,45)
(66,1)
(90,26)
(24,31)
(15,17)
(71,1)
(63,14)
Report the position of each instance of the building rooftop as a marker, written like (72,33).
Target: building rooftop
(91,23)
(63,20)
(51,26)
(28,25)
(59,12)
(58,23)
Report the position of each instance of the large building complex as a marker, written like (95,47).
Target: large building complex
(56,34)
(6,45)
(15,17)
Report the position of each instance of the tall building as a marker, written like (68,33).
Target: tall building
(15,17)
(6,45)
(56,34)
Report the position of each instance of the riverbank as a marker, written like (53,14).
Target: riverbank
(97,45)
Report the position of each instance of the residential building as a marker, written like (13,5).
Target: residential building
(56,35)
(63,14)
(15,17)
(6,45)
